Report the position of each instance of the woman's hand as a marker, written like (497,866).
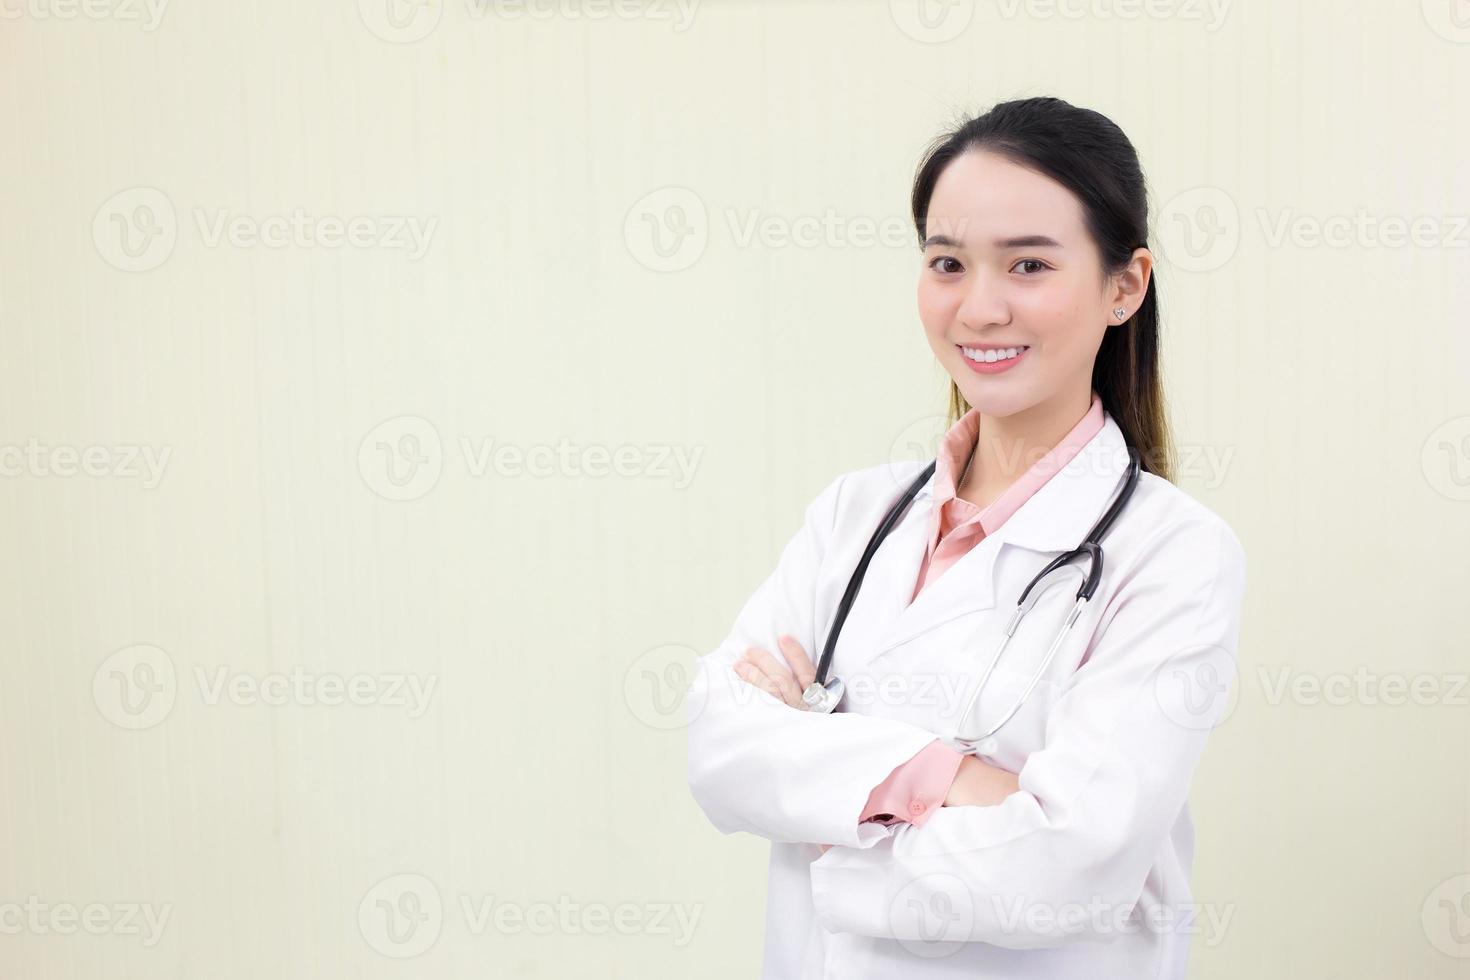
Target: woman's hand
(785,681)
(976,783)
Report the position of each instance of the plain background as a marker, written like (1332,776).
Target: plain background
(652,235)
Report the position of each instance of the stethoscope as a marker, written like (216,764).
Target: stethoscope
(823,695)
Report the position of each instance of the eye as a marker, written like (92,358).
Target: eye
(944,258)
(1037,262)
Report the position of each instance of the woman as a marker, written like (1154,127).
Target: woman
(1061,845)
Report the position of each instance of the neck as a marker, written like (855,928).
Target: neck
(1010,445)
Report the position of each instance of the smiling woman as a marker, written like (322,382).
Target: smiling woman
(1033,220)
(1054,839)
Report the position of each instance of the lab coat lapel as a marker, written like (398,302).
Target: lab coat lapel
(1055,519)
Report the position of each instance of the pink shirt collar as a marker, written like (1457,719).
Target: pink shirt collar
(958,443)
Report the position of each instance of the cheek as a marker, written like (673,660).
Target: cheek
(936,306)
(1057,317)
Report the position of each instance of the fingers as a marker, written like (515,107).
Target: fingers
(801,664)
(785,681)
(753,675)
(765,672)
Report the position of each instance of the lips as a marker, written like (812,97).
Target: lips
(984,348)
(998,366)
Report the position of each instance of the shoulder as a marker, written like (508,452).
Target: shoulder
(857,493)
(1164,523)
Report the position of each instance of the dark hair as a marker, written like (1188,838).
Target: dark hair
(1088,154)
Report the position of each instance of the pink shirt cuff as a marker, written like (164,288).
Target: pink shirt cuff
(916,788)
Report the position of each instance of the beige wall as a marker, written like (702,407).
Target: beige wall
(237,522)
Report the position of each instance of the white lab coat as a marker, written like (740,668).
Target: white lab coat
(1083,873)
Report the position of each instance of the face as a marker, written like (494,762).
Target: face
(1009,264)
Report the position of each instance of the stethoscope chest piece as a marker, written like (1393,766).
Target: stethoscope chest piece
(823,697)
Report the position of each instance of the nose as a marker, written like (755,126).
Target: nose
(984,303)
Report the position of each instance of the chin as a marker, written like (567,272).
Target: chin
(993,400)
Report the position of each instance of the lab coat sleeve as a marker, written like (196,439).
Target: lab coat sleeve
(1065,858)
(759,765)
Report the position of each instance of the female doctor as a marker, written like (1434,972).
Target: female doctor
(978,804)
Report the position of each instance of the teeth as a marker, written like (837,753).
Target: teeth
(988,356)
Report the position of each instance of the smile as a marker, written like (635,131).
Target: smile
(993,360)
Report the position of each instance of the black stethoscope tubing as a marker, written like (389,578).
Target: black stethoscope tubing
(1091,547)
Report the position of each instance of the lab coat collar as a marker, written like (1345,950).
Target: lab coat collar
(1060,513)
(1055,519)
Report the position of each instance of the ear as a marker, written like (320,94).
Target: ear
(1128,288)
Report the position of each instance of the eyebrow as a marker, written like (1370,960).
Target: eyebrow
(1023,241)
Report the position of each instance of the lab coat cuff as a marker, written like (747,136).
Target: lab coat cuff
(869,834)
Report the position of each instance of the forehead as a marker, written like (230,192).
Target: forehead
(981,196)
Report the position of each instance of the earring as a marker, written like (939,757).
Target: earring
(1119,312)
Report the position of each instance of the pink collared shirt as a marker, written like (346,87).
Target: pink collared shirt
(915,789)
